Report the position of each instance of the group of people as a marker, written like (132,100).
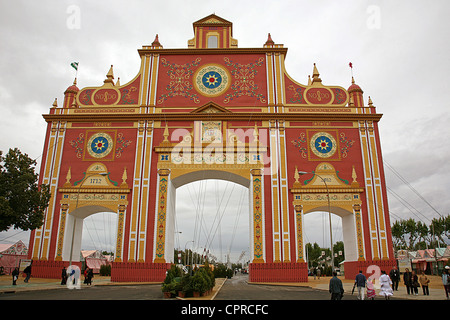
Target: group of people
(26,271)
(389,284)
(337,290)
(88,275)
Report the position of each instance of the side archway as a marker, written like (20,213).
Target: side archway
(326,191)
(96,192)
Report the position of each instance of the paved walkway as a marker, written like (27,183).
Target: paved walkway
(436,288)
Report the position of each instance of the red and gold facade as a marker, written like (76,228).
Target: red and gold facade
(214,110)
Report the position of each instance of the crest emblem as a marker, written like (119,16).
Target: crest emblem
(212,80)
(100,145)
(323,144)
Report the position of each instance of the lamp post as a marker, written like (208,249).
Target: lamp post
(103,174)
(329,213)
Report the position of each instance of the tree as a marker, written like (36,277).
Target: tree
(398,234)
(22,200)
(441,228)
(412,235)
(314,253)
(411,229)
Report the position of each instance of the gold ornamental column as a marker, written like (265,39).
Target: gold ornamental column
(160,234)
(62,228)
(299,231)
(119,239)
(257,203)
(357,213)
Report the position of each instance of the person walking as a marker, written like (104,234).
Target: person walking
(370,290)
(424,281)
(63,276)
(385,284)
(86,271)
(394,274)
(360,282)
(335,288)
(407,280)
(27,271)
(15,276)
(446,281)
(414,283)
(90,275)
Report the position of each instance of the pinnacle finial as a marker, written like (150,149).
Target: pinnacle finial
(166,133)
(315,75)
(109,76)
(269,41)
(155,43)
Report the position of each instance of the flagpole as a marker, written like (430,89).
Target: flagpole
(75,66)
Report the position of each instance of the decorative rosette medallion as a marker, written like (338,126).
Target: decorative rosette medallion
(100,145)
(323,144)
(212,80)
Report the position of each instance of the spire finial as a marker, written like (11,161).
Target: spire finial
(55,103)
(354,177)
(68,177)
(370,102)
(269,41)
(255,134)
(155,43)
(166,133)
(124,178)
(315,75)
(109,76)
(297,183)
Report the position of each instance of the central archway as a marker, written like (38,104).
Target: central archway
(212,219)
(178,180)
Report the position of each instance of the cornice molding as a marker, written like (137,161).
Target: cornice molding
(212,116)
(147,50)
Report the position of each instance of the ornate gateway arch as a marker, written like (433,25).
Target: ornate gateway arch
(213,110)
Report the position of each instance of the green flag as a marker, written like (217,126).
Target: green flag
(74,65)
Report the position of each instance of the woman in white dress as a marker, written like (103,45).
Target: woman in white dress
(385,284)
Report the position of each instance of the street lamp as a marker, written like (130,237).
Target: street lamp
(103,174)
(329,212)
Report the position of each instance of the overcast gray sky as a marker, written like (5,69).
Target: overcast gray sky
(399,50)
